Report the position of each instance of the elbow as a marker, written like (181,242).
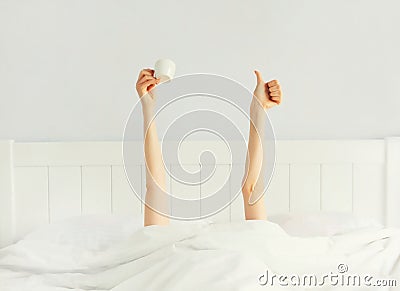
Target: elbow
(247,189)
(248,185)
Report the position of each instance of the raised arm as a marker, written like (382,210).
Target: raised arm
(155,172)
(265,96)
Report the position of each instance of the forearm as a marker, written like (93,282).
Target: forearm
(155,174)
(253,181)
(153,156)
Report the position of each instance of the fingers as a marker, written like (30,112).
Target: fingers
(274,88)
(146,78)
(146,84)
(145,72)
(259,77)
(150,87)
(272,83)
(146,81)
(277,100)
(275,91)
(275,94)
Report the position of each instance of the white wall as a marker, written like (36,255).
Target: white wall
(67,68)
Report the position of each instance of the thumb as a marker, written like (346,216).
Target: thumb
(259,77)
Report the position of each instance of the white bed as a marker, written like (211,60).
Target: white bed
(63,180)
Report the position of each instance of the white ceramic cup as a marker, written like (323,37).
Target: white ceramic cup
(164,69)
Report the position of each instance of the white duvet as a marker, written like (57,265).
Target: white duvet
(204,257)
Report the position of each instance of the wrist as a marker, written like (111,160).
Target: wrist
(256,107)
(258,114)
(148,112)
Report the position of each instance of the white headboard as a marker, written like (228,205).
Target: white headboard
(46,182)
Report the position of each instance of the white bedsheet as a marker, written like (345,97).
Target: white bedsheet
(199,257)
